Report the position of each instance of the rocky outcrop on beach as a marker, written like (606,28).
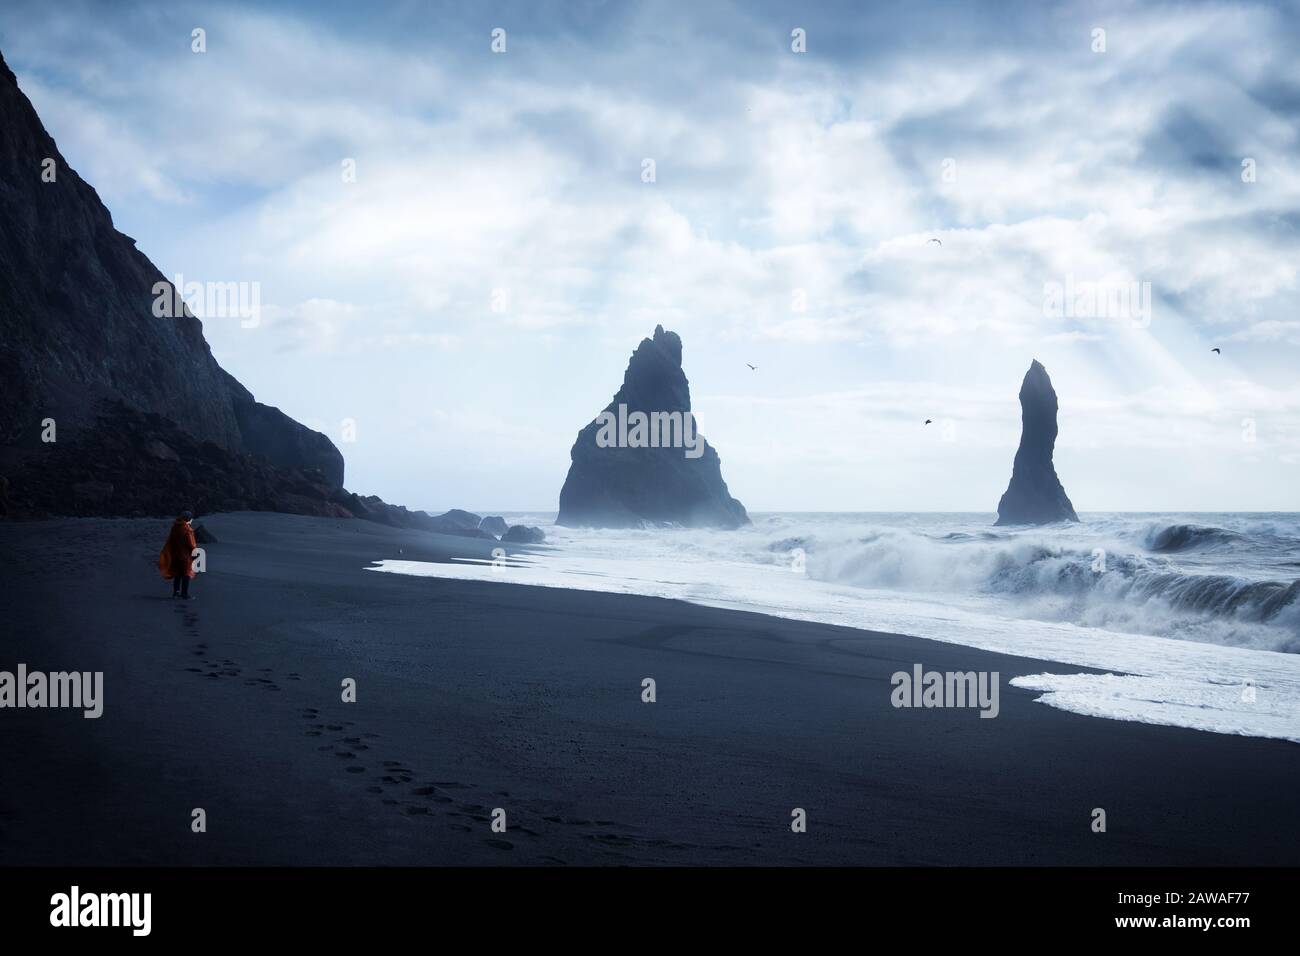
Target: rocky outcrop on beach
(524,534)
(81,345)
(494,525)
(1035,495)
(641,462)
(462,524)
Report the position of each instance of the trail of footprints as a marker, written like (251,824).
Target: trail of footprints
(224,668)
(394,782)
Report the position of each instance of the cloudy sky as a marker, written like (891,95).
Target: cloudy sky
(471,299)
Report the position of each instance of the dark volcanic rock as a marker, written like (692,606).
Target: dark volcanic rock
(77,328)
(372,508)
(494,526)
(524,534)
(1035,495)
(458,520)
(112,466)
(623,486)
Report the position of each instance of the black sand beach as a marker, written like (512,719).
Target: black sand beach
(473,696)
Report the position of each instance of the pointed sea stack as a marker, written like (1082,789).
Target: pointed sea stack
(629,472)
(1035,495)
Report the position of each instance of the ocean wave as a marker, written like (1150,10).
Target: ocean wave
(1168,538)
(1106,587)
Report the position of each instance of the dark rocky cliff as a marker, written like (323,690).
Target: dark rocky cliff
(76,304)
(1035,495)
(618,487)
(81,344)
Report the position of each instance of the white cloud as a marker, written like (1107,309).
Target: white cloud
(781,182)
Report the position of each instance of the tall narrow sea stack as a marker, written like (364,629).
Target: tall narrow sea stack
(641,463)
(1035,495)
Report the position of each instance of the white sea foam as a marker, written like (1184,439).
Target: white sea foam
(1190,614)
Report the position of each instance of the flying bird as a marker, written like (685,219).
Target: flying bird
(929,420)
(752,368)
(1216,350)
(936,242)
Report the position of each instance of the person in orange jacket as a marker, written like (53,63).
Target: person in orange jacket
(176,562)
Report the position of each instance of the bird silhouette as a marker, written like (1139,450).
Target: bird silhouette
(929,420)
(752,368)
(936,241)
(1216,350)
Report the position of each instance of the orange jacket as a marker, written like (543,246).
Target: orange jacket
(177,554)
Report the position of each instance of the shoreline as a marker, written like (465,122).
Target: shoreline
(471,697)
(1219,686)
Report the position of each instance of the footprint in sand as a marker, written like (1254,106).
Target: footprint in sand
(395,773)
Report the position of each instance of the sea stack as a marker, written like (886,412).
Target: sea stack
(641,462)
(1035,495)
